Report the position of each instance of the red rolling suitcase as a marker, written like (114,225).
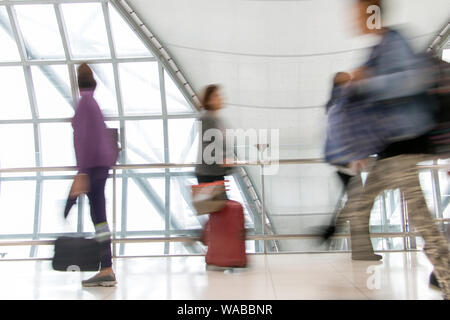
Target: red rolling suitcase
(224,234)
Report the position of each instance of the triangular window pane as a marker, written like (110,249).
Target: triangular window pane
(175,101)
(126,42)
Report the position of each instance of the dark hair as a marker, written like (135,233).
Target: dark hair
(378,3)
(86,77)
(209,90)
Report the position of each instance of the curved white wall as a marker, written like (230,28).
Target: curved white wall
(275,59)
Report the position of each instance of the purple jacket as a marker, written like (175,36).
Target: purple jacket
(94,143)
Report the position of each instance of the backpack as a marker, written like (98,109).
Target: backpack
(439,137)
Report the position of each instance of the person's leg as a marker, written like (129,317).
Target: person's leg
(353,188)
(98,213)
(206,228)
(327,232)
(436,244)
(96,195)
(359,205)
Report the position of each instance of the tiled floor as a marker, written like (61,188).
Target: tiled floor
(289,276)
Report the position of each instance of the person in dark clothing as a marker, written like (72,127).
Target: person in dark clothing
(345,173)
(210,170)
(214,155)
(383,78)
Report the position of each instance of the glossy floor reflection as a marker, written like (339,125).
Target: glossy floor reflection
(288,276)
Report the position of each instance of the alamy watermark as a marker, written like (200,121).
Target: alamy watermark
(73,268)
(249,145)
(374,20)
(73,279)
(374,280)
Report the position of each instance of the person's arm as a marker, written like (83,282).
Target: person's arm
(80,136)
(85,138)
(406,74)
(80,125)
(396,85)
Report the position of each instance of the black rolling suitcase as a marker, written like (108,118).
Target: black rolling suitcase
(76,254)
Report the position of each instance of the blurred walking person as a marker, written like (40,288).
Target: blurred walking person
(209,170)
(224,233)
(95,155)
(339,152)
(397,85)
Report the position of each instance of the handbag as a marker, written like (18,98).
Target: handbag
(76,254)
(209,197)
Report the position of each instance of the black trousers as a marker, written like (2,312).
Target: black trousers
(96,195)
(208,179)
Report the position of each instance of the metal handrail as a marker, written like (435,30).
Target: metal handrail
(189,165)
(264,237)
(193,238)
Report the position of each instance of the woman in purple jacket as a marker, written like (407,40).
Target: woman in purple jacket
(95,154)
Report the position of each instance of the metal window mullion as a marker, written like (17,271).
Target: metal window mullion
(166,155)
(123,222)
(34,114)
(13,2)
(80,212)
(107,19)
(38,158)
(74,88)
(167,210)
(123,154)
(16,32)
(75,61)
(67,53)
(188,174)
(115,66)
(124,118)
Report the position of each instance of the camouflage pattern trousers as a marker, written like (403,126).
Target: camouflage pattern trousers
(392,173)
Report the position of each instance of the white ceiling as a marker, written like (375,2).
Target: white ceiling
(275,59)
